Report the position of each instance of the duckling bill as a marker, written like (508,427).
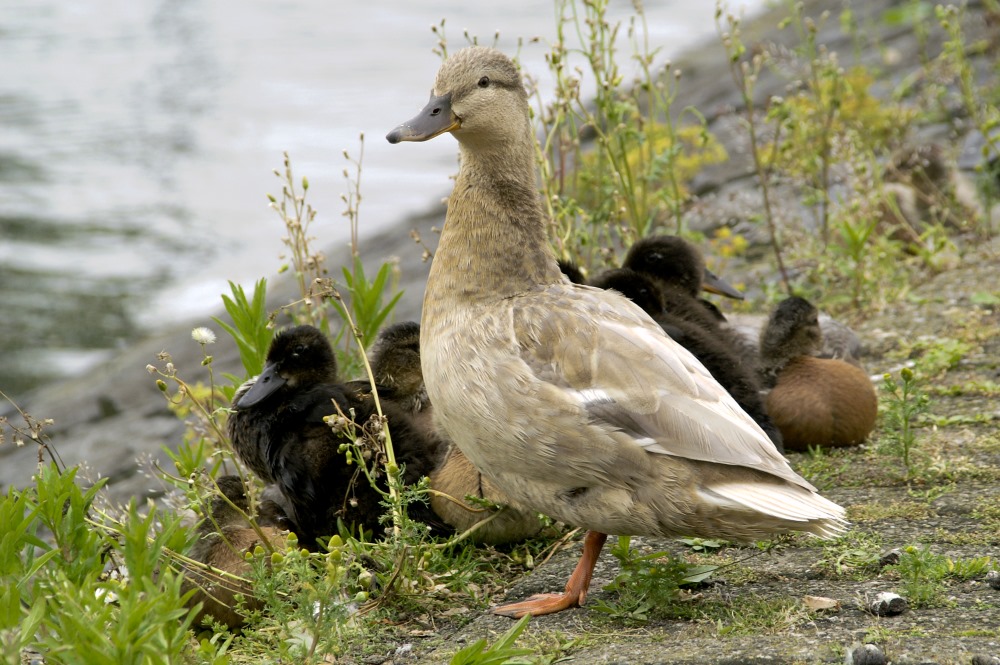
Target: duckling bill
(569,398)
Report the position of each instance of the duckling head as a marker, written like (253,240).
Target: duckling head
(792,330)
(297,356)
(677,263)
(471,98)
(395,359)
(638,287)
(232,512)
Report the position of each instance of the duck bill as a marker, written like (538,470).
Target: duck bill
(434,119)
(715,284)
(265,385)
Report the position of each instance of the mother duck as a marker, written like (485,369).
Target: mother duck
(571,398)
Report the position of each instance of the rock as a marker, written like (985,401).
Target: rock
(887,604)
(866,654)
(984,659)
(890,558)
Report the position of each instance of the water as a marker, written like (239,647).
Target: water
(138,140)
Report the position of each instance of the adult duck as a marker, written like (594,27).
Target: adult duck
(571,398)
(813,401)
(279,429)
(714,350)
(395,362)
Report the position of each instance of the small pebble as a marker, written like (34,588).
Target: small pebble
(866,654)
(887,604)
(890,558)
(993,579)
(983,659)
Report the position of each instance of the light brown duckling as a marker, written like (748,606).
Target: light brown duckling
(813,401)
(395,361)
(571,398)
(224,537)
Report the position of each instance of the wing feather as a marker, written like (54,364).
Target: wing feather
(626,373)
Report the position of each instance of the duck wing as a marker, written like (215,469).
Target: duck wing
(606,355)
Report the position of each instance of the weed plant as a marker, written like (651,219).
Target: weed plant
(901,405)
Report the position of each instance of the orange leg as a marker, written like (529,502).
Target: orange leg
(576,589)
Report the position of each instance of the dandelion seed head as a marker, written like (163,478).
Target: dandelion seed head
(203,335)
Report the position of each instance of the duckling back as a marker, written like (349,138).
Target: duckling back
(822,402)
(224,536)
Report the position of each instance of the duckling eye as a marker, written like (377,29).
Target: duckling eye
(484,82)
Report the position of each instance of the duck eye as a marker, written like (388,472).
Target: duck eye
(484,82)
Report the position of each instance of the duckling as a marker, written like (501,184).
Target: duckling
(813,401)
(279,431)
(571,398)
(223,538)
(395,361)
(722,361)
(680,270)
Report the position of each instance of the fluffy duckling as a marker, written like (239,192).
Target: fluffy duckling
(278,430)
(722,361)
(679,268)
(813,401)
(395,361)
(571,398)
(223,538)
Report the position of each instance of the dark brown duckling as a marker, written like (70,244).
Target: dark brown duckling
(813,401)
(395,361)
(720,360)
(279,430)
(680,269)
(225,536)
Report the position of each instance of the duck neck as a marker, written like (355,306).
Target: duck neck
(494,212)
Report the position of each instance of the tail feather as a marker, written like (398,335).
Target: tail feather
(799,508)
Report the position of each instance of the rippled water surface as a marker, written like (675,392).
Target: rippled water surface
(138,140)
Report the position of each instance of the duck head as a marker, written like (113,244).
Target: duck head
(677,262)
(297,355)
(638,287)
(792,330)
(469,98)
